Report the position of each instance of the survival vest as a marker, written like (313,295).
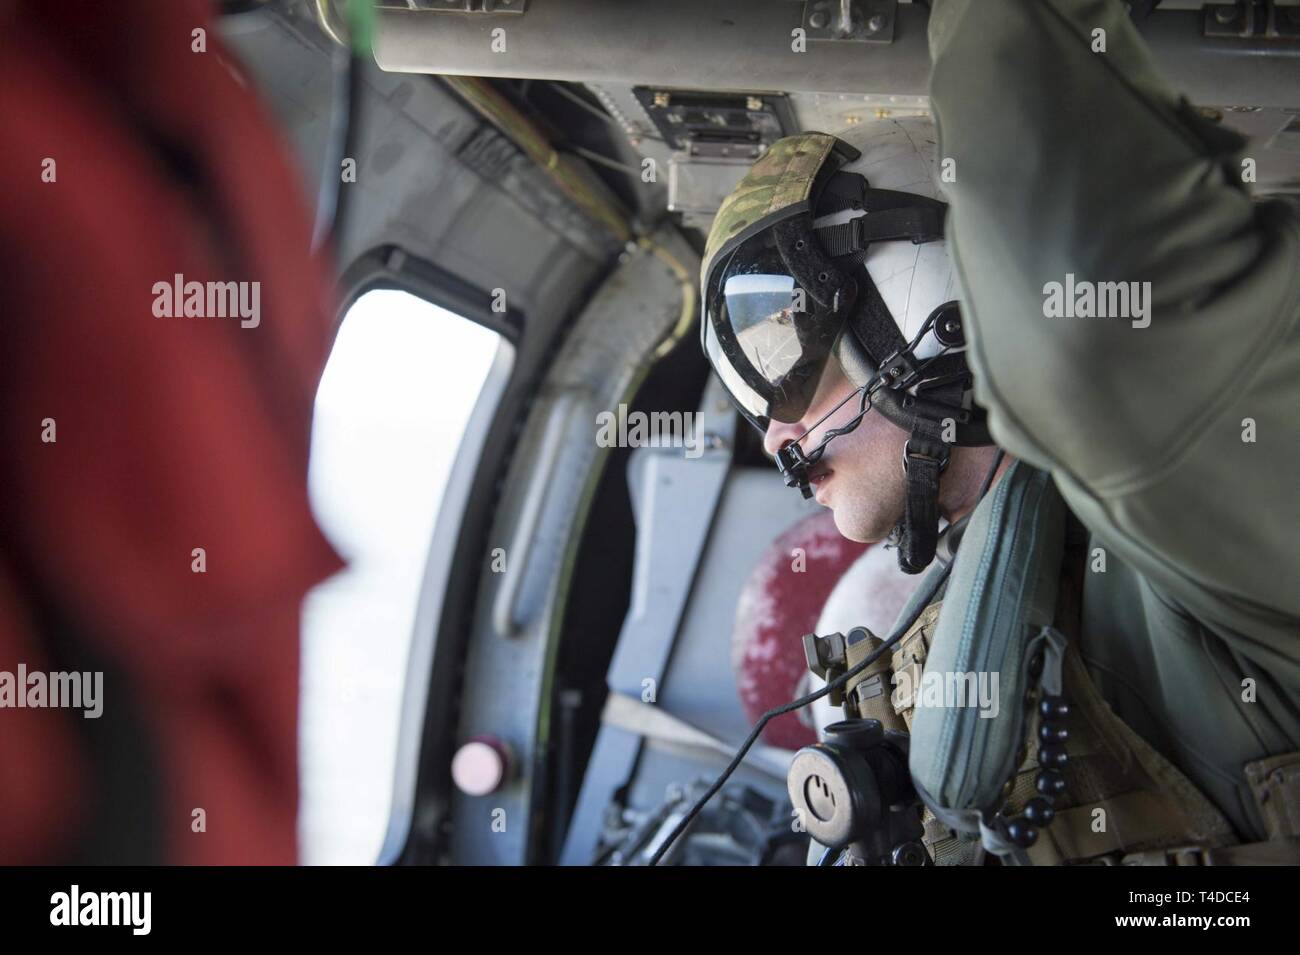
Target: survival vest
(968,680)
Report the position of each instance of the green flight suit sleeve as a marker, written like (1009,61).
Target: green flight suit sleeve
(1176,438)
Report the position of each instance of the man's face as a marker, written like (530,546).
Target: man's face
(860,477)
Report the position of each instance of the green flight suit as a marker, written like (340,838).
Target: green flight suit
(1070,161)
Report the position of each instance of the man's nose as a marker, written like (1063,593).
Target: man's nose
(779,434)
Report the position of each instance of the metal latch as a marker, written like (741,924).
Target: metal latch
(859,21)
(1251,19)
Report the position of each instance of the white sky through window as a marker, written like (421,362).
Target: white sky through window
(392,406)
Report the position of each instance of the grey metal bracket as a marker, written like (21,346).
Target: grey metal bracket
(672,534)
(1250,19)
(856,21)
(471,6)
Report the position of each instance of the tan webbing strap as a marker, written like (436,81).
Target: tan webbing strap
(1130,819)
(1272,852)
(894,709)
(1190,816)
(1145,802)
(908,662)
(870,690)
(946,848)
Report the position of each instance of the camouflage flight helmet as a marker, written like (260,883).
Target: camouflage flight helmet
(787,275)
(768,362)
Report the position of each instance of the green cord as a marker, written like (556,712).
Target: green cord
(361,25)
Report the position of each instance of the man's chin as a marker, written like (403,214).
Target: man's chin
(856,530)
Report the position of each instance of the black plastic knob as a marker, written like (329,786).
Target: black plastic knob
(1052,756)
(1054,708)
(1050,783)
(1053,733)
(1039,811)
(1020,832)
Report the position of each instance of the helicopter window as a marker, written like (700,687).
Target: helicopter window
(397,392)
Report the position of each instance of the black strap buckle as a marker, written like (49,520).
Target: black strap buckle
(927,453)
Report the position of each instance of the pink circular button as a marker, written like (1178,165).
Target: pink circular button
(480,766)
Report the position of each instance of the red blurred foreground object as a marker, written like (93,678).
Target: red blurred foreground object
(156,523)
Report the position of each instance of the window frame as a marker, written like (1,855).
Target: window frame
(391,268)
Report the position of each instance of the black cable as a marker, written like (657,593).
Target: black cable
(614,164)
(340,144)
(871,387)
(591,108)
(351,143)
(939,577)
(772,714)
(864,406)
(595,110)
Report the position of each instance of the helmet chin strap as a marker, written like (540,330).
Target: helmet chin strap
(925,458)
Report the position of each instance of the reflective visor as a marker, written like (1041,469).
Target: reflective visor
(767,339)
(767,345)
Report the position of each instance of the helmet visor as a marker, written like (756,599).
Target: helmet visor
(767,339)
